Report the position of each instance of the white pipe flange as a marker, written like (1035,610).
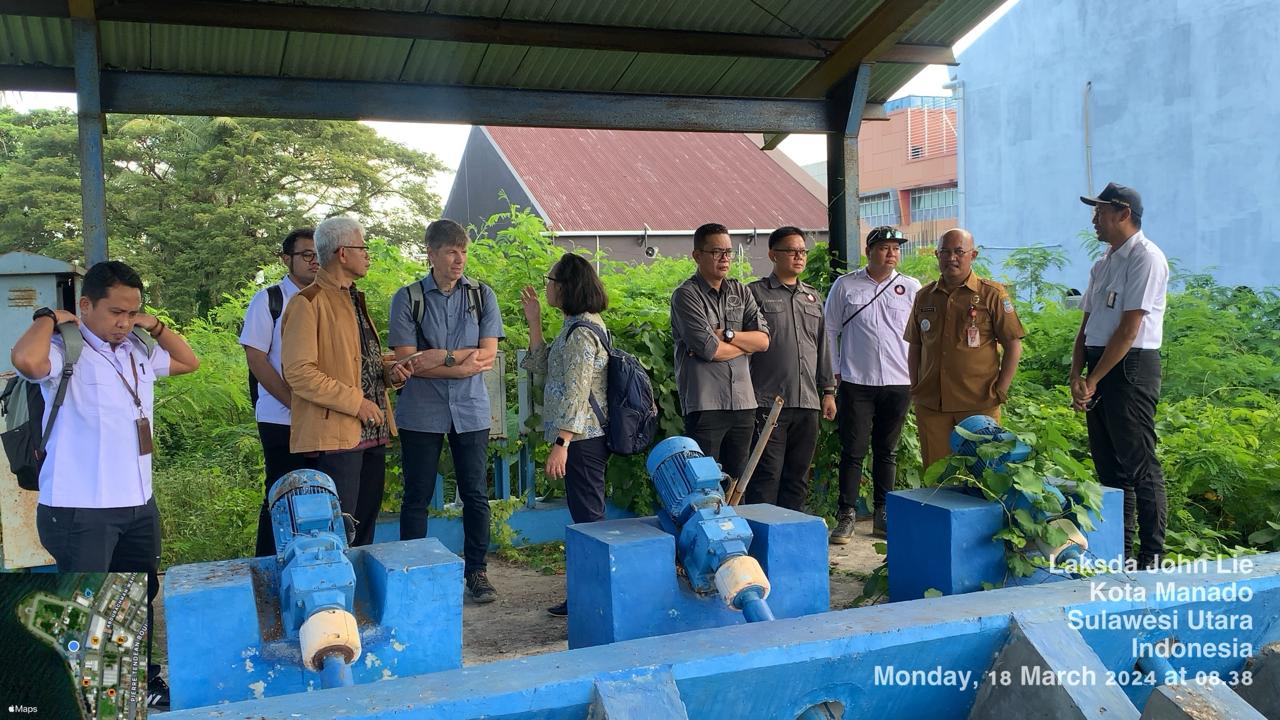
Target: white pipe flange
(329,632)
(737,574)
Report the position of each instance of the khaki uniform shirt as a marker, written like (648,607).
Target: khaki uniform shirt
(953,376)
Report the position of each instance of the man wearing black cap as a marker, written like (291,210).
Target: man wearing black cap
(1119,344)
(867,313)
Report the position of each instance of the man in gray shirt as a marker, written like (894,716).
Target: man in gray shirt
(716,324)
(796,367)
(456,321)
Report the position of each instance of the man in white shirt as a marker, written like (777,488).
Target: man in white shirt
(866,316)
(260,338)
(1119,344)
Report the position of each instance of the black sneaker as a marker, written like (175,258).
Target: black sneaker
(843,531)
(561,610)
(480,588)
(879,525)
(157,693)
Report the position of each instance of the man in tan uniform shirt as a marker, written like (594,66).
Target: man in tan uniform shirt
(956,368)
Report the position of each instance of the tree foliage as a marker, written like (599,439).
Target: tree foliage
(197,204)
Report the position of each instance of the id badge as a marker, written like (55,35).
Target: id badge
(144,435)
(1111,299)
(971,336)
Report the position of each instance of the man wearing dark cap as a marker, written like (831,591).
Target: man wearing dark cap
(1119,346)
(867,313)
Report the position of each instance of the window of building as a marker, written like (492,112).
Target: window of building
(877,209)
(934,203)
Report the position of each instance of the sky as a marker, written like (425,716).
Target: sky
(447,141)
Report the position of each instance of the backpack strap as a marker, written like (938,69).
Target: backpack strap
(603,336)
(275,308)
(73,345)
(418,306)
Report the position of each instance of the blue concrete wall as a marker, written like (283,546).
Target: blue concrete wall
(543,523)
(779,669)
(1183,107)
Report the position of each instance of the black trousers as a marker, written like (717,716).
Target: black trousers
(420,453)
(279,462)
(782,477)
(724,435)
(1122,440)
(584,479)
(360,476)
(869,415)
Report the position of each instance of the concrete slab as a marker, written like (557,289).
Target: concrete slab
(640,695)
(1197,702)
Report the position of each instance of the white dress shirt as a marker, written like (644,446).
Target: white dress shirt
(1134,276)
(92,457)
(869,350)
(260,333)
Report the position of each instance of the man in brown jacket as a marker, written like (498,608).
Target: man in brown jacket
(332,361)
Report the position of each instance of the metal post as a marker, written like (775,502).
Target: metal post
(93,193)
(842,171)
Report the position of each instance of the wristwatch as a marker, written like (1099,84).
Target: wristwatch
(449,360)
(562,442)
(45,312)
(729,335)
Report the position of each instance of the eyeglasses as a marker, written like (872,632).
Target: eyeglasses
(550,279)
(885,232)
(718,253)
(306,255)
(949,252)
(796,253)
(365,248)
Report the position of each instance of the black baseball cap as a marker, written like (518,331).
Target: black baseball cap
(1117,195)
(885,233)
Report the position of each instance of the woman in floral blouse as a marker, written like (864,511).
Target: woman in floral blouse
(574,406)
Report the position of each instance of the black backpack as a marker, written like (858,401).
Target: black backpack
(22,405)
(275,306)
(633,415)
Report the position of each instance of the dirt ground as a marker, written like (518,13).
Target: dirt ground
(517,623)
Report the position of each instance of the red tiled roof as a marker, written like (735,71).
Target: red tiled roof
(623,179)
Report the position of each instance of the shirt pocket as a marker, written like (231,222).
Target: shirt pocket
(811,316)
(733,318)
(981,319)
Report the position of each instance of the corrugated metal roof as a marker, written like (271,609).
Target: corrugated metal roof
(600,180)
(673,74)
(35,41)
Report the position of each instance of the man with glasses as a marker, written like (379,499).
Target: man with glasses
(964,342)
(716,324)
(1119,343)
(796,367)
(450,325)
(332,362)
(260,337)
(867,313)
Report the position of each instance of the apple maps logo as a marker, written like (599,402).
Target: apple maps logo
(15,709)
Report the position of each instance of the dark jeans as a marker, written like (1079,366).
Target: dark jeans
(782,477)
(360,476)
(584,479)
(869,415)
(724,435)
(123,539)
(420,452)
(279,462)
(1122,440)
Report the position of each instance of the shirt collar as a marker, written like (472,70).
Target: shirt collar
(288,285)
(1126,247)
(774,283)
(429,283)
(706,286)
(325,280)
(974,283)
(100,345)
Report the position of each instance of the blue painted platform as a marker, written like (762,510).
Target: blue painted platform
(940,538)
(915,659)
(226,643)
(544,522)
(622,582)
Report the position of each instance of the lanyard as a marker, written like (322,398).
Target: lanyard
(132,366)
(872,300)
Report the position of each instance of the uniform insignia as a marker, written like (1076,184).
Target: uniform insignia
(1008,305)
(924,325)
(899,290)
(733,300)
(976,300)
(811,297)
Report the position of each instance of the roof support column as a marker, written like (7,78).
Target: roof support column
(93,194)
(847,106)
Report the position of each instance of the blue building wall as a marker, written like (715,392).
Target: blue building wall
(1183,107)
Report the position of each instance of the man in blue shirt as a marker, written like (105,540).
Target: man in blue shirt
(451,328)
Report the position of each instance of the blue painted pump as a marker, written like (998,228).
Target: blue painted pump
(316,580)
(711,538)
(976,431)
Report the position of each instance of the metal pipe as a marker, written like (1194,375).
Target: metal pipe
(754,607)
(1159,666)
(335,672)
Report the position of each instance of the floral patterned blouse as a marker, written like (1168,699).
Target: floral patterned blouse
(574,368)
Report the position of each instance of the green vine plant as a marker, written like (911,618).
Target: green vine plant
(1045,498)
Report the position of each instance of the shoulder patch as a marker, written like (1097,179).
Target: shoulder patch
(1008,304)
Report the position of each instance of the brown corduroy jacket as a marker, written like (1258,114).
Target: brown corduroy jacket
(320,357)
